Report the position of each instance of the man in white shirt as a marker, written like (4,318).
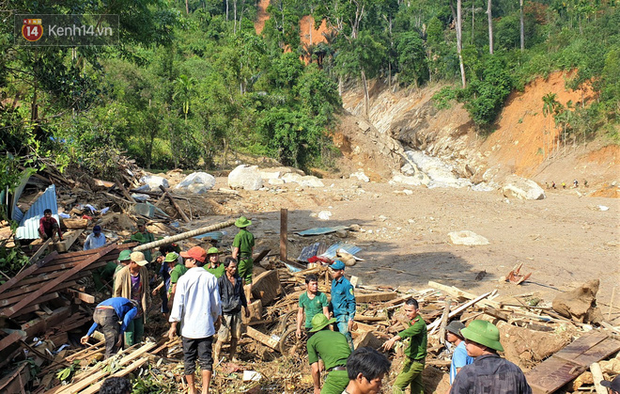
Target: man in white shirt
(197,306)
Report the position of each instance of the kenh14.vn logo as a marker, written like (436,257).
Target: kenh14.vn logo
(32,29)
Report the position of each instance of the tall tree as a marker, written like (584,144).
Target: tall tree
(459,39)
(522,25)
(490,18)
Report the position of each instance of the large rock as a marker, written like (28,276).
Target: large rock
(292,177)
(310,181)
(522,188)
(153,182)
(246,177)
(580,304)
(197,182)
(468,238)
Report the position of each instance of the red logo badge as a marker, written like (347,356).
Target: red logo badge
(32,29)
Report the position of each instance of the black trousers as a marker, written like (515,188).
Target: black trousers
(197,348)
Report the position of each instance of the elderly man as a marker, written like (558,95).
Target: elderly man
(310,303)
(343,300)
(366,368)
(197,306)
(332,347)
(95,239)
(233,299)
(415,353)
(132,282)
(107,316)
(489,373)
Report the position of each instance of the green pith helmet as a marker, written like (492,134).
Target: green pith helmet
(243,222)
(212,251)
(319,321)
(484,333)
(124,255)
(170,257)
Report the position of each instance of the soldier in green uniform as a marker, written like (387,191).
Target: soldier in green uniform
(415,353)
(213,263)
(123,260)
(243,247)
(332,347)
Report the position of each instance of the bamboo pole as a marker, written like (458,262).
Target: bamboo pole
(185,235)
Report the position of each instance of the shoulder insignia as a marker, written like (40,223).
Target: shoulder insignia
(351,291)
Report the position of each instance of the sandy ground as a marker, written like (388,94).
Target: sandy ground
(564,240)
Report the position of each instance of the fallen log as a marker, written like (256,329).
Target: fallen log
(174,203)
(185,235)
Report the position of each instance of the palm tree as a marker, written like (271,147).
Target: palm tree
(550,105)
(184,87)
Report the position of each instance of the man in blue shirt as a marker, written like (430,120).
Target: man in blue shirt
(460,358)
(107,316)
(343,300)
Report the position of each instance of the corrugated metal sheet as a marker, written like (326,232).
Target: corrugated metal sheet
(28,227)
(321,230)
(215,235)
(310,251)
(331,251)
(17,214)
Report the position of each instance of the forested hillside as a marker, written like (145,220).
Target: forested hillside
(190,82)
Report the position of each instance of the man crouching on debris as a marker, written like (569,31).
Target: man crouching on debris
(489,373)
(332,347)
(107,316)
(415,353)
(197,306)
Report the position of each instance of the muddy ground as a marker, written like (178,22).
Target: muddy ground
(564,240)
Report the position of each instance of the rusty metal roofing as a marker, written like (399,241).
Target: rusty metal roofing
(29,226)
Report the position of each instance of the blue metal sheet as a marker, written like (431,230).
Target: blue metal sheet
(310,251)
(321,230)
(216,235)
(29,225)
(331,251)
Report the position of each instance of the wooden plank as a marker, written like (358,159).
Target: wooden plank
(174,204)
(18,294)
(123,372)
(40,251)
(77,387)
(87,298)
(581,345)
(40,324)
(33,306)
(262,338)
(283,234)
(50,285)
(9,340)
(458,310)
(456,292)
(597,376)
(69,239)
(11,282)
(125,192)
(552,374)
(375,297)
(49,276)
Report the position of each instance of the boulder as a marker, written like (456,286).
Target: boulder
(580,304)
(246,177)
(292,177)
(153,182)
(468,238)
(416,180)
(197,182)
(310,181)
(522,188)
(360,176)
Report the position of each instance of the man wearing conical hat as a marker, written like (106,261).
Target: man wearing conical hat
(243,247)
(489,373)
(332,347)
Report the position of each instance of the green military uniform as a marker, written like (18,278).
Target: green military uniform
(175,274)
(147,237)
(415,355)
(217,271)
(312,306)
(334,350)
(244,240)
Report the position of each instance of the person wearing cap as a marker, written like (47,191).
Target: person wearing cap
(489,373)
(197,306)
(415,352)
(311,302)
(243,247)
(95,239)
(366,368)
(232,298)
(213,262)
(460,358)
(613,386)
(132,282)
(170,272)
(107,316)
(333,348)
(123,261)
(343,300)
(147,237)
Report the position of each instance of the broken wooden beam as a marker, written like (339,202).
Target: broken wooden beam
(375,297)
(456,292)
(69,239)
(174,203)
(262,338)
(14,280)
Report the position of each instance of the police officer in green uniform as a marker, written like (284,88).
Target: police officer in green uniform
(243,247)
(415,353)
(213,262)
(332,347)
